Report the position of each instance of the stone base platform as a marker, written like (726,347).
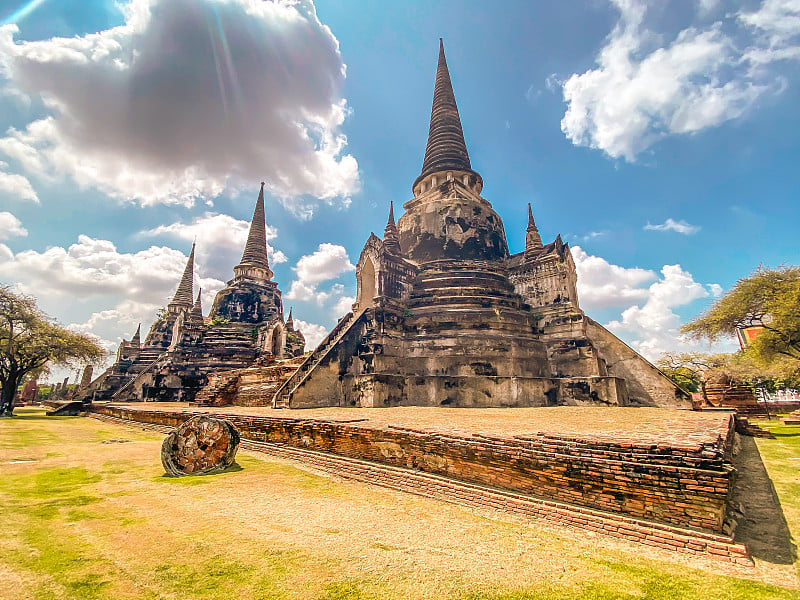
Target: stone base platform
(653,476)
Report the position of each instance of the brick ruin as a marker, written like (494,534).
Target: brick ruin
(183,348)
(445,315)
(671,495)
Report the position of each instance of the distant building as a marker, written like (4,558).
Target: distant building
(182,347)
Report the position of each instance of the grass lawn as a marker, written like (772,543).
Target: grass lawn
(86,512)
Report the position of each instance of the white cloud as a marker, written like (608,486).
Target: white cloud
(673,225)
(653,327)
(16,186)
(11,226)
(779,19)
(343,306)
(603,285)
(643,90)
(647,320)
(93,267)
(328,262)
(186,99)
(220,241)
(92,273)
(313,333)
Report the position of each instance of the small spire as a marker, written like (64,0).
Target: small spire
(391,240)
(197,309)
(533,241)
(290,321)
(183,296)
(255,250)
(446,147)
(136,340)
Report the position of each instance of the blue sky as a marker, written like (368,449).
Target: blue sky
(660,140)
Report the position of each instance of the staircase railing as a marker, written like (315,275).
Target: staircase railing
(283,393)
(147,369)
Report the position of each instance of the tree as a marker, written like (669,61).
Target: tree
(30,341)
(690,370)
(769,298)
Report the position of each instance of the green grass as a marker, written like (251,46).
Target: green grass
(78,523)
(781,457)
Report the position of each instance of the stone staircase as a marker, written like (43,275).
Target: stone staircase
(452,285)
(229,337)
(283,394)
(141,367)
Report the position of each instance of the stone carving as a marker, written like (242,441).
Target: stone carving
(200,446)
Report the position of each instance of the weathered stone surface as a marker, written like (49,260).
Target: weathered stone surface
(724,390)
(446,316)
(200,446)
(183,349)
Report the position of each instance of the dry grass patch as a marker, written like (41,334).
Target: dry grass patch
(98,520)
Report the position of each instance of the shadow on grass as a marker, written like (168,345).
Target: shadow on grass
(192,479)
(762,528)
(32,414)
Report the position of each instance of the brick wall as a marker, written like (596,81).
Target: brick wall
(682,486)
(702,544)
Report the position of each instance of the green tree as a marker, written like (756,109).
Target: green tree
(30,341)
(769,298)
(690,370)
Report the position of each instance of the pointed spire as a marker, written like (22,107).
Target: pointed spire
(391,240)
(290,321)
(136,340)
(255,251)
(197,309)
(183,296)
(533,241)
(446,147)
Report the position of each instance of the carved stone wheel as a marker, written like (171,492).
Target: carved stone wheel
(200,446)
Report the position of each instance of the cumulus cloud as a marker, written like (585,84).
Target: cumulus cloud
(654,326)
(313,333)
(643,89)
(647,320)
(16,186)
(603,285)
(673,225)
(343,306)
(327,263)
(11,226)
(186,99)
(220,241)
(94,273)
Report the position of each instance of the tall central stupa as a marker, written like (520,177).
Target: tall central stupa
(446,316)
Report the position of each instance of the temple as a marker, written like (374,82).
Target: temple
(445,315)
(183,348)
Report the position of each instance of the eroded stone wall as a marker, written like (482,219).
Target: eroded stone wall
(647,386)
(686,486)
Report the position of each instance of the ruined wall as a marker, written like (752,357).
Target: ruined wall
(248,302)
(678,485)
(647,386)
(382,390)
